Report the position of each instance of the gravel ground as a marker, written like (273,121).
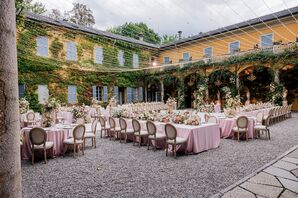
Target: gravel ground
(121,170)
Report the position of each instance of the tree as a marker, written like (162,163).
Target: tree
(135,30)
(26,5)
(81,14)
(10,164)
(56,14)
(166,39)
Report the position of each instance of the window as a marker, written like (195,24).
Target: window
(121,58)
(186,56)
(43,93)
(98,57)
(266,40)
(105,94)
(71,51)
(234,47)
(42,46)
(166,60)
(96,92)
(135,60)
(21,90)
(72,94)
(208,52)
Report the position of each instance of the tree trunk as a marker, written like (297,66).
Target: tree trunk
(10,166)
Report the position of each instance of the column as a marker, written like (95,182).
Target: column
(162,91)
(276,76)
(10,162)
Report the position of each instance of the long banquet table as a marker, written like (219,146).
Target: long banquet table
(199,138)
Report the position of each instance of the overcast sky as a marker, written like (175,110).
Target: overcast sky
(169,16)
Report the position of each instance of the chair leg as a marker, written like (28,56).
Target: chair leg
(32,157)
(140,141)
(125,137)
(268,133)
(64,149)
(174,150)
(238,137)
(95,142)
(148,143)
(45,155)
(53,153)
(83,149)
(134,139)
(74,150)
(167,147)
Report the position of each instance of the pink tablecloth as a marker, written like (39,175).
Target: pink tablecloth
(254,113)
(55,135)
(227,125)
(199,138)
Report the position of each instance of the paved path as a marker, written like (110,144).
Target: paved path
(279,178)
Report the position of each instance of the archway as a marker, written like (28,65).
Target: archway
(219,79)
(254,83)
(153,91)
(171,84)
(289,77)
(190,84)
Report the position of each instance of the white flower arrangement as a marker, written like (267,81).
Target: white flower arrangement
(23,105)
(232,103)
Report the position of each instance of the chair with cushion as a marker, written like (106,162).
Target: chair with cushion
(138,132)
(152,135)
(124,130)
(259,118)
(261,128)
(91,134)
(172,139)
(38,139)
(76,140)
(30,116)
(242,127)
(103,127)
(114,131)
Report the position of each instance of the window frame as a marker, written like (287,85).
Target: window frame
(121,59)
(260,37)
(164,62)
(95,55)
(134,64)
(229,50)
(45,47)
(67,51)
(204,52)
(183,56)
(76,95)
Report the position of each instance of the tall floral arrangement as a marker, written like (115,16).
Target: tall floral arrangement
(231,103)
(200,101)
(171,103)
(79,112)
(95,103)
(276,93)
(23,105)
(49,111)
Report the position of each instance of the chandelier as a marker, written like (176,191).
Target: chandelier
(217,82)
(251,77)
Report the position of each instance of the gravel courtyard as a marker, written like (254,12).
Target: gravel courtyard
(122,170)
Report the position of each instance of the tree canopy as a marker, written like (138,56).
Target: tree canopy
(27,5)
(135,30)
(81,14)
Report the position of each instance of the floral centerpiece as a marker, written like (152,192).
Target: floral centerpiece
(192,120)
(200,102)
(95,103)
(231,103)
(276,93)
(171,104)
(79,112)
(23,105)
(50,109)
(148,115)
(164,117)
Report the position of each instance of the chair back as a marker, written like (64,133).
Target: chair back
(267,121)
(112,122)
(79,132)
(136,125)
(171,131)
(212,119)
(123,124)
(37,136)
(94,126)
(259,117)
(242,122)
(206,117)
(80,121)
(102,121)
(151,128)
(97,111)
(30,116)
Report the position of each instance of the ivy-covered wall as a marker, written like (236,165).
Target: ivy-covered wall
(58,73)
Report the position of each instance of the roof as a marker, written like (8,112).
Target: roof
(61,23)
(265,18)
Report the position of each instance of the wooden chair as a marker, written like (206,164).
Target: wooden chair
(212,119)
(259,118)
(38,139)
(172,139)
(103,127)
(137,132)
(77,140)
(261,128)
(114,131)
(242,127)
(152,135)
(80,121)
(92,134)
(30,116)
(124,130)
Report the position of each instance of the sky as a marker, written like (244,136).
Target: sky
(170,16)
